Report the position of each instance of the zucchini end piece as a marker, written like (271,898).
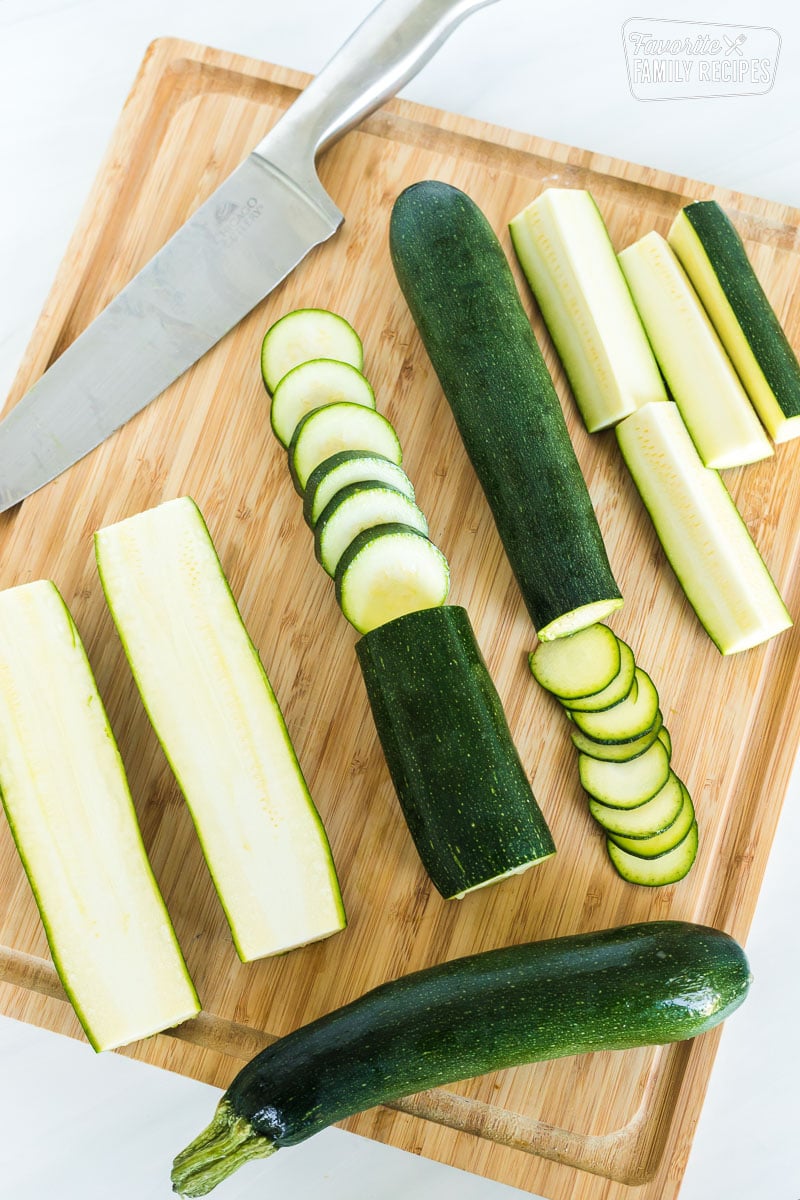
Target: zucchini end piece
(227,1144)
(579,618)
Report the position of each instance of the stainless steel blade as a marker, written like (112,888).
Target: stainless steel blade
(228,256)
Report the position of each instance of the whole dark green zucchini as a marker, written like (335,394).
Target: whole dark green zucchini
(637,985)
(462,296)
(462,788)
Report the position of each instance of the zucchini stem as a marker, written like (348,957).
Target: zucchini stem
(227,1144)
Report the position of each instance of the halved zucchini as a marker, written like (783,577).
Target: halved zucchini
(388,572)
(622,686)
(357,507)
(617,751)
(349,466)
(219,723)
(703,535)
(67,801)
(655,872)
(304,334)
(701,378)
(625,721)
(565,251)
(668,839)
(625,784)
(312,385)
(713,255)
(645,820)
(335,427)
(581,664)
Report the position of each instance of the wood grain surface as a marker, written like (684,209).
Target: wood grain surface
(593,1123)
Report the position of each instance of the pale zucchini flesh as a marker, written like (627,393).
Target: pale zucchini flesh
(312,385)
(218,720)
(567,256)
(388,572)
(714,405)
(656,872)
(340,426)
(616,691)
(304,334)
(713,256)
(625,784)
(701,531)
(70,811)
(625,721)
(343,468)
(645,820)
(580,665)
(357,507)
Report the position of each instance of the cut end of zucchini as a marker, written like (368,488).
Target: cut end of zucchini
(579,618)
(305,334)
(520,870)
(389,572)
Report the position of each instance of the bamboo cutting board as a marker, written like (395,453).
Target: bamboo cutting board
(593,1123)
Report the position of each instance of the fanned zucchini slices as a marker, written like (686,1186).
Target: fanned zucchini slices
(624,754)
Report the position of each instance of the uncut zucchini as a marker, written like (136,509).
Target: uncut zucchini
(462,788)
(217,718)
(713,256)
(564,249)
(68,805)
(646,984)
(462,296)
(703,535)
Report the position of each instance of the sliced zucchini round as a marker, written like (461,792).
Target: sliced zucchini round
(349,466)
(663,735)
(660,843)
(625,721)
(621,687)
(625,784)
(388,572)
(648,819)
(655,872)
(357,507)
(302,335)
(312,385)
(582,664)
(341,426)
(616,751)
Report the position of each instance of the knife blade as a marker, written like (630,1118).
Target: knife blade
(236,247)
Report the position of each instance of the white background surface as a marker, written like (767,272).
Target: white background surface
(74,1126)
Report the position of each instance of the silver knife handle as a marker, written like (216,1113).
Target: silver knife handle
(386,50)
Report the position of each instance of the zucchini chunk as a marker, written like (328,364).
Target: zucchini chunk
(349,466)
(312,385)
(625,784)
(647,819)
(704,537)
(462,788)
(626,721)
(341,426)
(617,751)
(623,685)
(701,378)
(70,811)
(462,296)
(217,718)
(668,839)
(305,334)
(388,572)
(666,868)
(638,985)
(564,249)
(579,665)
(713,256)
(357,507)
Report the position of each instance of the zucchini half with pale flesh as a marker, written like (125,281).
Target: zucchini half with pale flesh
(701,378)
(67,801)
(462,788)
(703,535)
(713,256)
(219,723)
(387,572)
(305,334)
(567,256)
(462,295)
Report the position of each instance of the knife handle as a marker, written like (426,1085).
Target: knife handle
(387,49)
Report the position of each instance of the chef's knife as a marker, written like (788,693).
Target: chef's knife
(250,233)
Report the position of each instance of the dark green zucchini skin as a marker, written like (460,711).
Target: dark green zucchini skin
(461,293)
(462,788)
(636,985)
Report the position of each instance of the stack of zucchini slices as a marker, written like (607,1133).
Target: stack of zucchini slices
(345,461)
(624,753)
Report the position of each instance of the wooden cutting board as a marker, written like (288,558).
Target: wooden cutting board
(625,1117)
